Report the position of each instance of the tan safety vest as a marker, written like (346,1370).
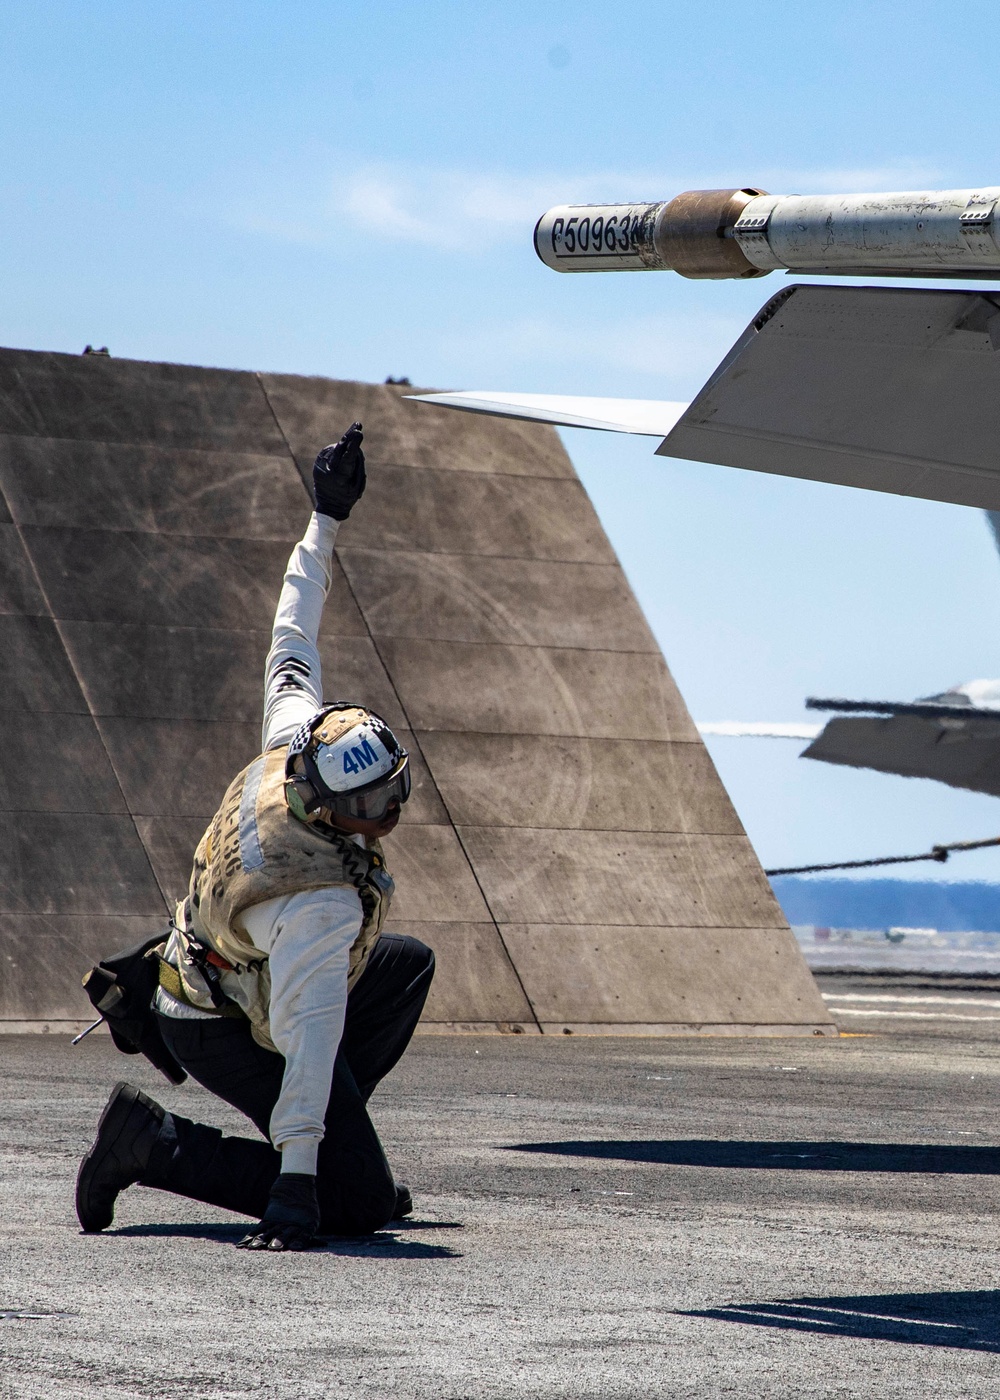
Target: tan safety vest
(254,850)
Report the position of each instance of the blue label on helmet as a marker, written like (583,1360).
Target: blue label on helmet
(359,757)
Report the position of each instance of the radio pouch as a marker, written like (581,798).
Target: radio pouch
(121,988)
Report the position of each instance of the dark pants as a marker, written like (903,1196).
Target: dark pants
(354,1184)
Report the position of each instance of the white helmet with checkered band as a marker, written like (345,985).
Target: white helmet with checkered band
(345,759)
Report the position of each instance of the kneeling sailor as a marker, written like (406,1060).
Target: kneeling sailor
(279,990)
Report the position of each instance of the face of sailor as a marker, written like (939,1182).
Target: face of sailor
(355,826)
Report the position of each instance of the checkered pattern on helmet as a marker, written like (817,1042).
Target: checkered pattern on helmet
(300,739)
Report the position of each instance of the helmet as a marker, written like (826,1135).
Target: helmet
(347,759)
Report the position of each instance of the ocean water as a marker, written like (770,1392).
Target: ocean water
(899,925)
(899,949)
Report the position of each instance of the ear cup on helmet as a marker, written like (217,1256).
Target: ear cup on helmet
(300,796)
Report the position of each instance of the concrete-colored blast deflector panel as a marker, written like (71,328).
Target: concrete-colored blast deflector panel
(569,851)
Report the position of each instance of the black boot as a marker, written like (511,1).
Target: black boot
(404,1202)
(126,1135)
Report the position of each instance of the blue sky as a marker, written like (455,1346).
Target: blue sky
(349,189)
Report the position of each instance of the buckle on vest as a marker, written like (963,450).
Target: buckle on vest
(209,963)
(170,981)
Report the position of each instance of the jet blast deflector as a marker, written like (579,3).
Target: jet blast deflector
(748,233)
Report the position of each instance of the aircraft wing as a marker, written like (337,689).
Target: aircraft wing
(754,729)
(892,389)
(962,750)
(957,744)
(646,417)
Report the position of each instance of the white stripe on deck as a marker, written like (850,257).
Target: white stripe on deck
(885,1000)
(912,1015)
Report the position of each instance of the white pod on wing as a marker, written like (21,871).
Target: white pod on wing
(598,237)
(691,234)
(747,233)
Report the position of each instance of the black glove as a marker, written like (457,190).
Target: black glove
(339,475)
(292,1216)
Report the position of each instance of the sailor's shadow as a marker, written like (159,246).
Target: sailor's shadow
(191,1229)
(966,1321)
(784,1156)
(386,1244)
(409,1222)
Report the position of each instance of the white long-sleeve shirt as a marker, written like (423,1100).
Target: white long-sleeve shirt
(306,937)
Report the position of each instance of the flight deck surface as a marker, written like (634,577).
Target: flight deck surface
(593,1217)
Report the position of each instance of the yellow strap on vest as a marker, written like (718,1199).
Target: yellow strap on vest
(170,981)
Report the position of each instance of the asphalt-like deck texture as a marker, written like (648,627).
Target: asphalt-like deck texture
(594,1218)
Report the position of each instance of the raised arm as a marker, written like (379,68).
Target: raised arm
(293,680)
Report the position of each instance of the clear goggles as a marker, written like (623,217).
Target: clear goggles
(371,802)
